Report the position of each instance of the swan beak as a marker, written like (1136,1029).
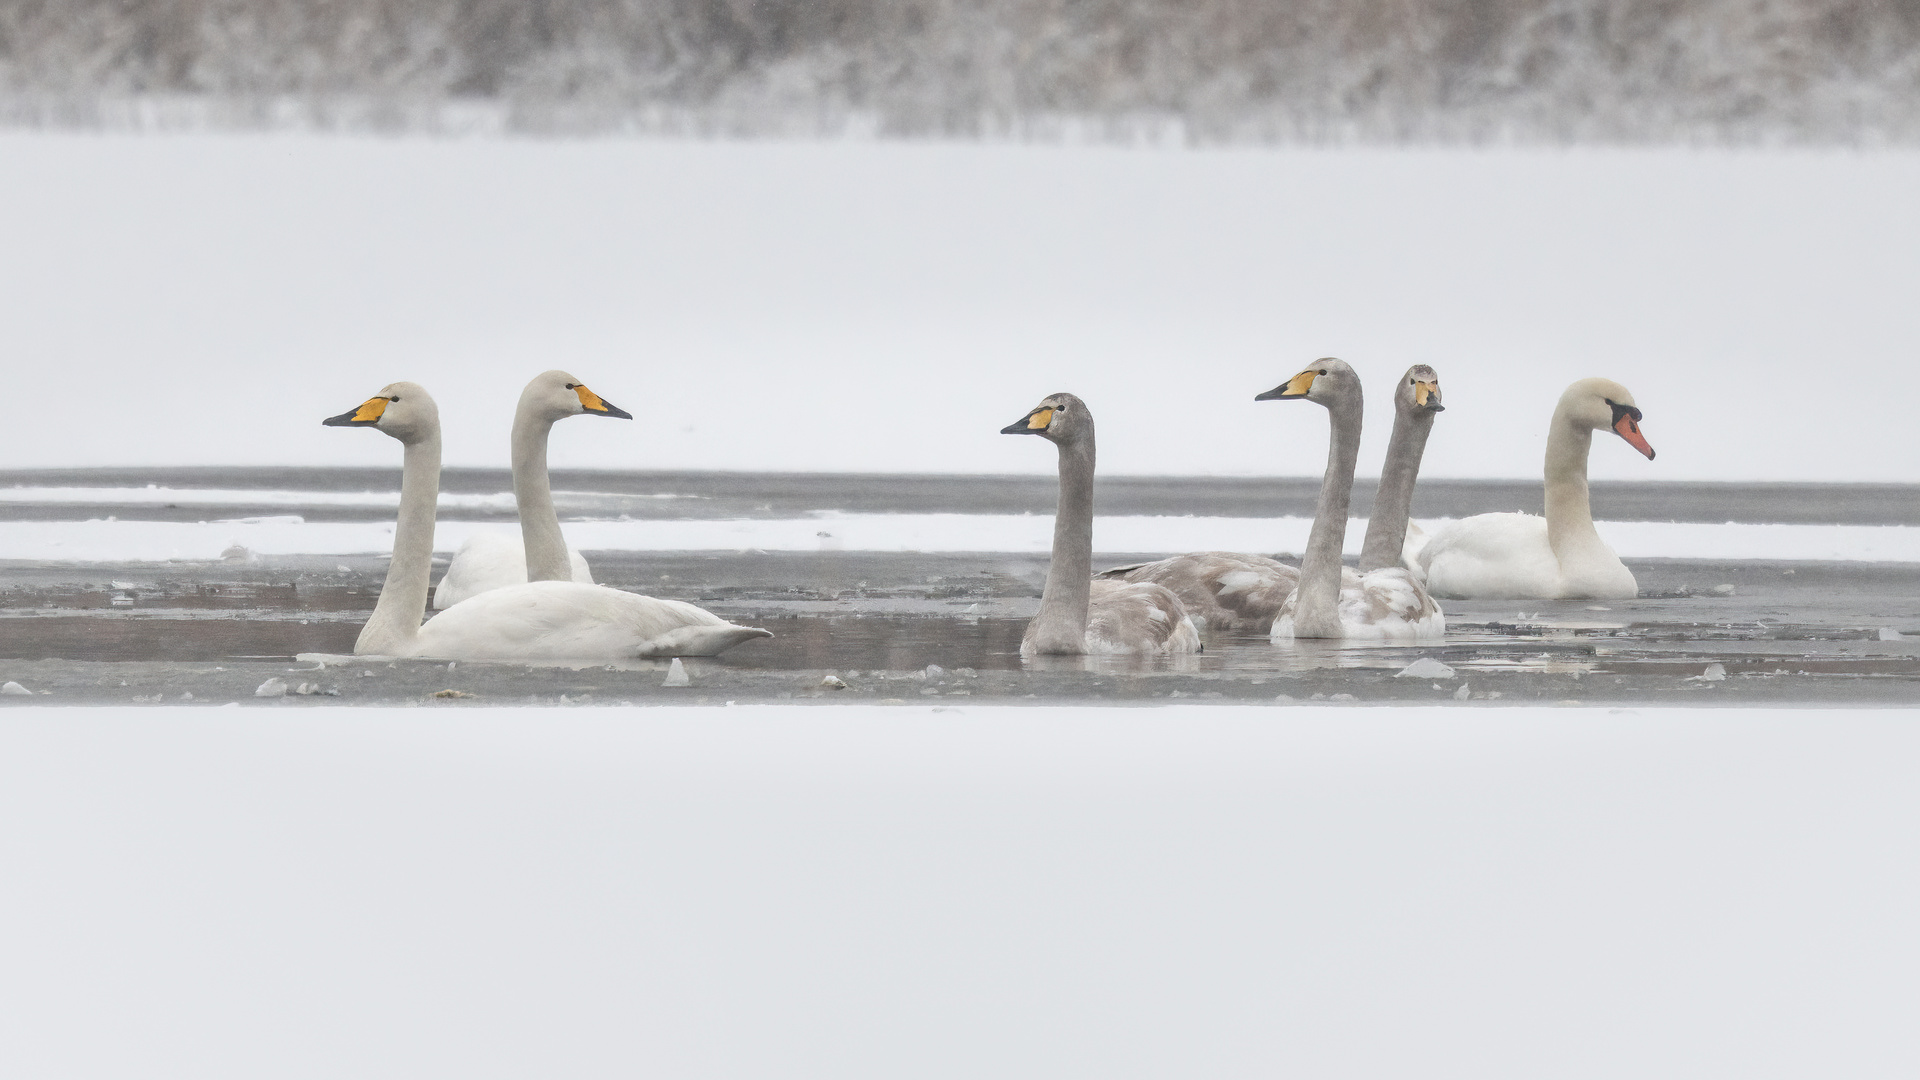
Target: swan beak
(1628,428)
(1034,423)
(600,406)
(369,412)
(1295,387)
(1426,395)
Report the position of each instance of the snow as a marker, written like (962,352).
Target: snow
(874,892)
(179,299)
(160,541)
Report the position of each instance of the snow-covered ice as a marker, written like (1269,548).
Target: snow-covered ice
(753,892)
(155,541)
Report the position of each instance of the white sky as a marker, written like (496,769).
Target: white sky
(208,299)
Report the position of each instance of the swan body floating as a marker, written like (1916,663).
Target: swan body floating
(1561,555)
(1380,603)
(538,620)
(1222,590)
(490,560)
(1079,614)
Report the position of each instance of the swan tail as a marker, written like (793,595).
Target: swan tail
(709,640)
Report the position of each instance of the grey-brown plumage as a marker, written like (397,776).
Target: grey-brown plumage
(1225,591)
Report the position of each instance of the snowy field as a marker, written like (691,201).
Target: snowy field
(1180,892)
(208,299)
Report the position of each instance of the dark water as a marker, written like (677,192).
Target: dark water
(1809,633)
(643,495)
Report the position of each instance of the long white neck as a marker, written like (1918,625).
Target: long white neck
(1316,605)
(1393,503)
(1061,625)
(1570,530)
(533,494)
(395,621)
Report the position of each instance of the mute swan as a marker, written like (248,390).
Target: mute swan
(540,620)
(1560,556)
(489,560)
(1079,614)
(1331,600)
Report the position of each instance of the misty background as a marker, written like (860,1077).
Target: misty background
(864,235)
(1206,71)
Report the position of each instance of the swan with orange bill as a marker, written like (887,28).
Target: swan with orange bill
(1561,555)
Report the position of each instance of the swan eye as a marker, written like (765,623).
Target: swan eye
(395,397)
(572,386)
(1322,371)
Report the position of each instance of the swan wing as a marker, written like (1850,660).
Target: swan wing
(493,560)
(565,620)
(1138,618)
(1222,590)
(1491,557)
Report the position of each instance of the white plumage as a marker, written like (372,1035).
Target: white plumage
(493,560)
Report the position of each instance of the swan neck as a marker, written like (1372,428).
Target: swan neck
(1569,508)
(395,621)
(533,496)
(1061,625)
(1393,503)
(1317,604)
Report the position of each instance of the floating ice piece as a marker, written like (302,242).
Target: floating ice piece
(14,689)
(1714,673)
(274,687)
(1721,590)
(1463,693)
(1888,633)
(833,682)
(934,671)
(676,674)
(1425,668)
(188,696)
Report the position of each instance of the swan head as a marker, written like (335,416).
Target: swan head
(1418,392)
(403,410)
(556,395)
(1059,418)
(1328,381)
(1604,405)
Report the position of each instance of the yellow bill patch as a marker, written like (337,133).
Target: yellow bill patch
(369,412)
(589,400)
(1424,390)
(1300,384)
(1039,419)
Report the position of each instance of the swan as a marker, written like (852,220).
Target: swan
(489,560)
(1560,556)
(1228,591)
(1383,603)
(1223,590)
(1078,613)
(538,620)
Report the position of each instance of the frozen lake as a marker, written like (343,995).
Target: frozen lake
(963,892)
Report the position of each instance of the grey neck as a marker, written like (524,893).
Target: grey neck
(1061,625)
(1316,609)
(547,558)
(395,621)
(1393,503)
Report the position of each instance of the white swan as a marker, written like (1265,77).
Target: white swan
(489,560)
(1560,556)
(540,620)
(1079,614)
(1384,603)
